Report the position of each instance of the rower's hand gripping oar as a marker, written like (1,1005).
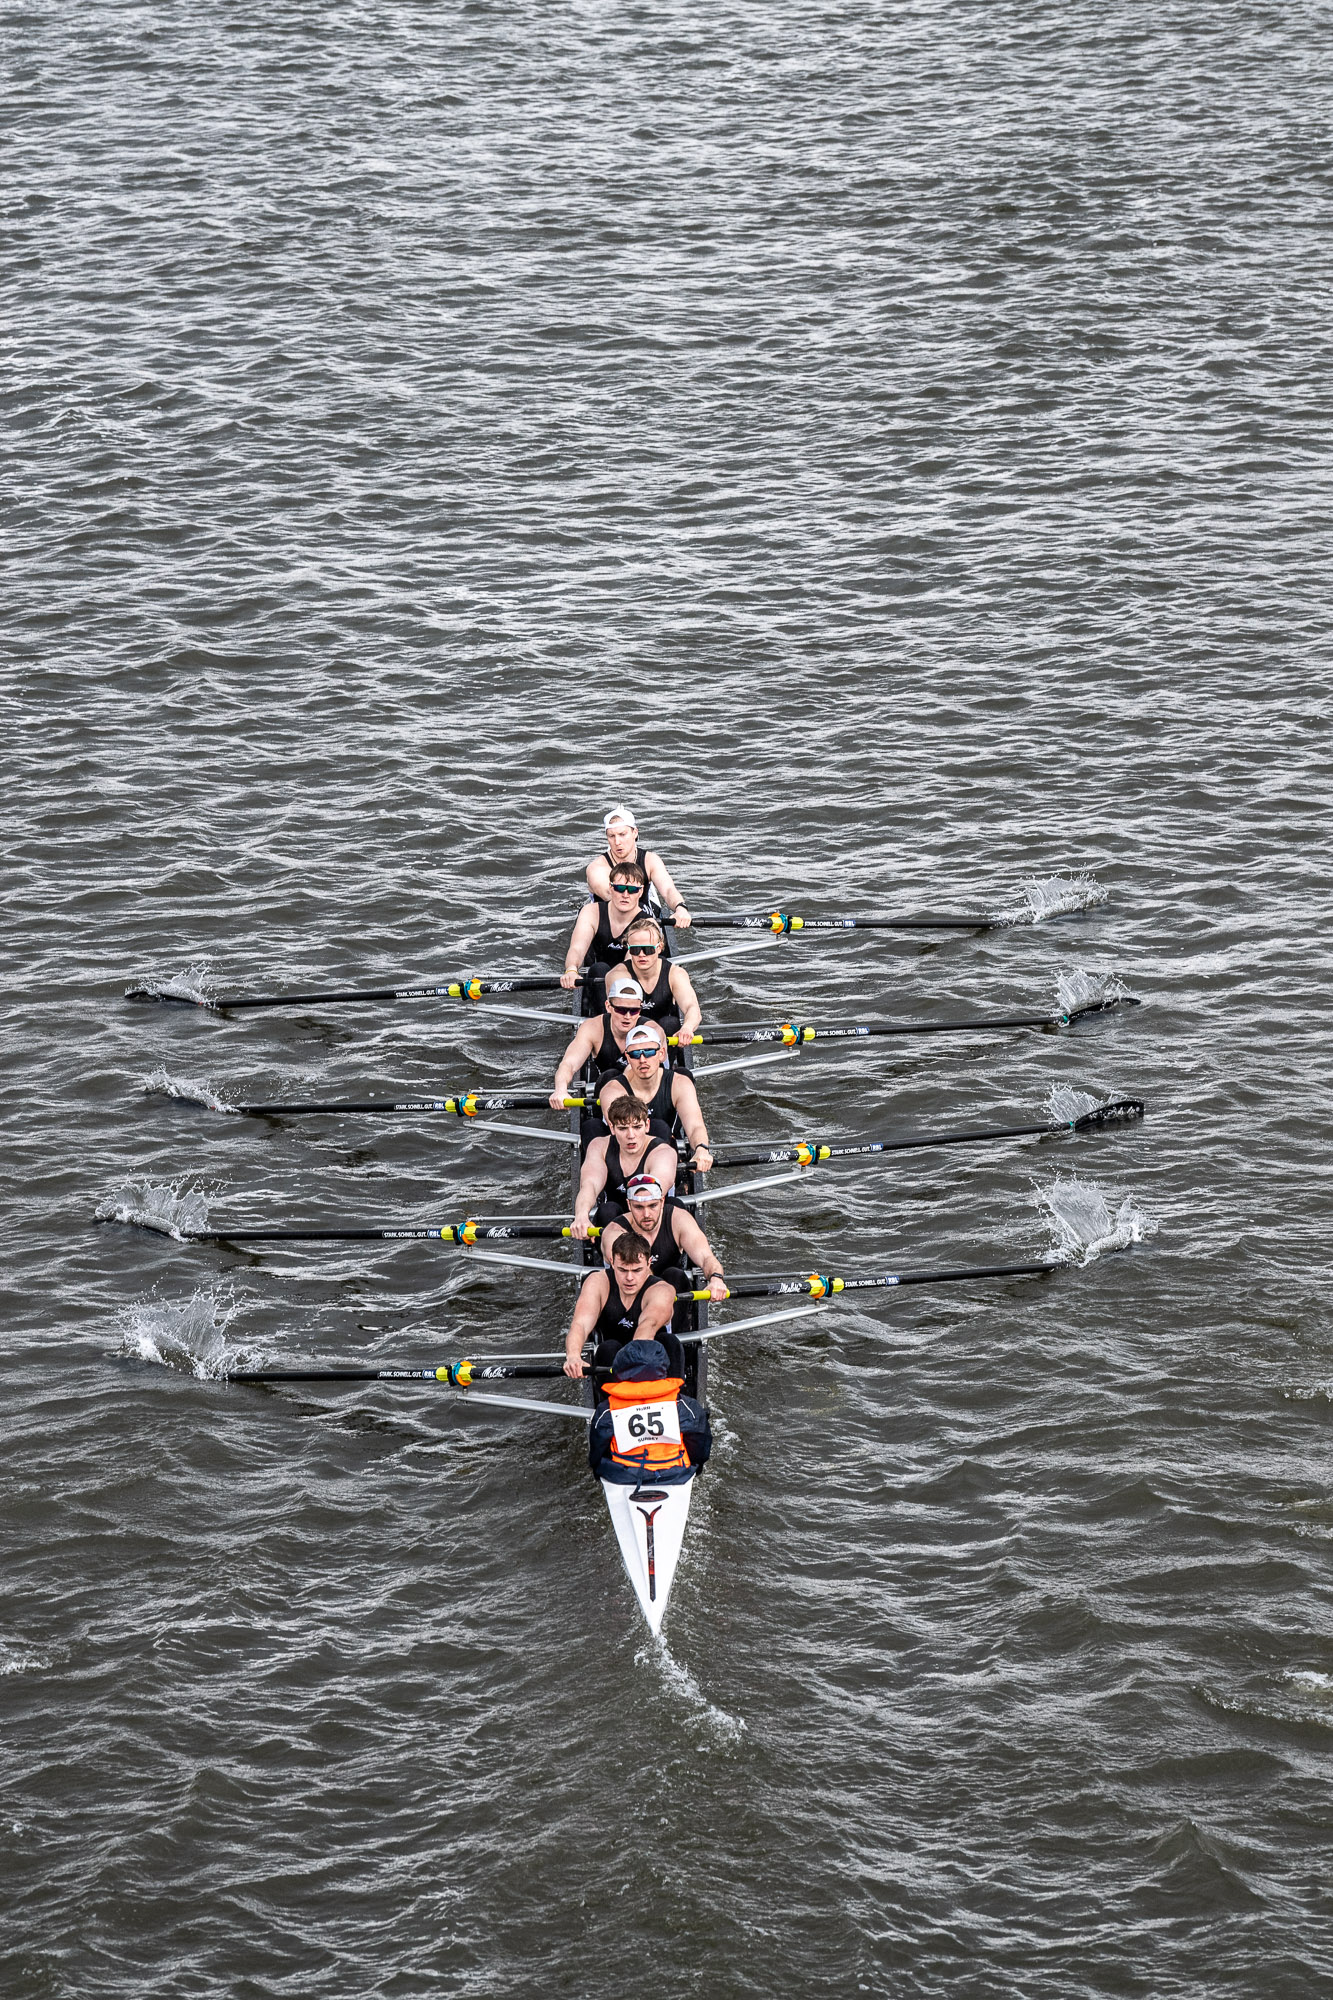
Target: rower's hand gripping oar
(795,1034)
(813,1152)
(474,988)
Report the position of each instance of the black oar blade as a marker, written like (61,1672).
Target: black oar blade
(1123,1111)
(167,999)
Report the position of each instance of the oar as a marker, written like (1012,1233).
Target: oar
(812,1153)
(819,1286)
(455,1374)
(455,1232)
(466,1106)
(793,1034)
(781,923)
(474,988)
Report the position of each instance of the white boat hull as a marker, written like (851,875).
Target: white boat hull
(650,1527)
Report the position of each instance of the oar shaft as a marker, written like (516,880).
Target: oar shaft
(456,1374)
(794,1034)
(470,988)
(781,923)
(452,1232)
(819,1286)
(457,1107)
(814,1153)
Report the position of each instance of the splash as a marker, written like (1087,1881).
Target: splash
(1064,1104)
(177,1210)
(189,1337)
(187,1089)
(195,983)
(1056,896)
(680,1682)
(15,1661)
(1077,989)
(1085,1226)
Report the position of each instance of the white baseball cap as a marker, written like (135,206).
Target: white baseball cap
(624,984)
(623,815)
(643,1188)
(647,1035)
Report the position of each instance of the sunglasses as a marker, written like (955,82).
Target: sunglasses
(616,1008)
(642,950)
(627,888)
(643,1055)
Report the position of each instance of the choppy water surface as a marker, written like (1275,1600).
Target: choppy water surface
(889,445)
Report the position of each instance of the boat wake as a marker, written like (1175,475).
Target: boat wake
(1088,989)
(190,1337)
(679,1681)
(1056,896)
(176,1210)
(187,1089)
(1084,1224)
(196,983)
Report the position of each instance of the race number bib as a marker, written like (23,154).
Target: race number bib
(646,1423)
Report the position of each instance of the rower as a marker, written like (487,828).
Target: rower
(622,844)
(634,1144)
(621,1303)
(648,1429)
(669,1093)
(668,993)
(601,1037)
(598,937)
(674,1238)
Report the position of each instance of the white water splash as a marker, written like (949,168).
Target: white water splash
(188,1089)
(177,1210)
(195,983)
(1056,895)
(1064,1104)
(190,1336)
(1307,1678)
(1088,989)
(1084,1224)
(13,1660)
(681,1682)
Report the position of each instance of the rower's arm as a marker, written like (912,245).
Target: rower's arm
(591,1182)
(686,1100)
(580,943)
(660,876)
(659,1302)
(572,1061)
(696,1246)
(591,1300)
(597,875)
(686,999)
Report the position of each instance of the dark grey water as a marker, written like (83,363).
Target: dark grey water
(889,444)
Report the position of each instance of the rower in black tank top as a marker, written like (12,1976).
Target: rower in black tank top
(661,1004)
(613,1201)
(652,902)
(664,1253)
(617,1323)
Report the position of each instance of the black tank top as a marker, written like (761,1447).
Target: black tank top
(618,1176)
(661,1004)
(618,1323)
(664,1253)
(661,1106)
(605,949)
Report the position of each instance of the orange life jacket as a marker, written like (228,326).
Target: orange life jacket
(652,1455)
